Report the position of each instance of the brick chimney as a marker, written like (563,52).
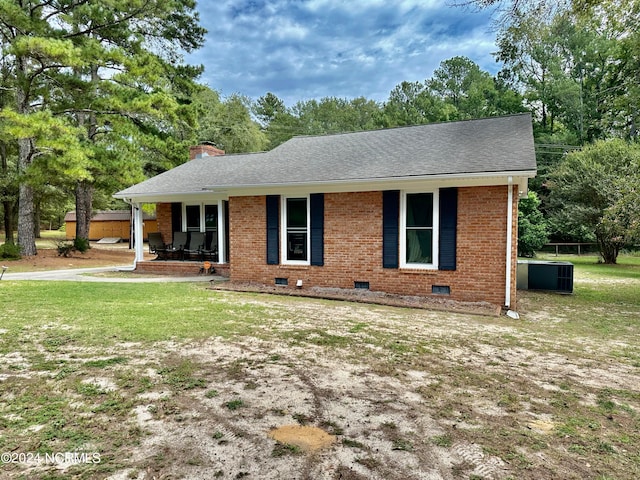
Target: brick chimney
(200,151)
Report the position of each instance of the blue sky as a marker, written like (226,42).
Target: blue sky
(304,49)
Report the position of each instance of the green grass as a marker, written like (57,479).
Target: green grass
(628,266)
(107,362)
(234,404)
(69,335)
(99,313)
(47,240)
(182,375)
(605,301)
(283,449)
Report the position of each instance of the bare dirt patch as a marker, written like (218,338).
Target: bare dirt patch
(406,395)
(366,296)
(99,255)
(309,439)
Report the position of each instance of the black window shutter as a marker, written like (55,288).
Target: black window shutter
(273,237)
(390,228)
(176,217)
(316,207)
(448,222)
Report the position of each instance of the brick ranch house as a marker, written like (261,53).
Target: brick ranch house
(423,210)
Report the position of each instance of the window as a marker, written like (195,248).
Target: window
(418,232)
(296,231)
(211,218)
(192,216)
(211,230)
(208,219)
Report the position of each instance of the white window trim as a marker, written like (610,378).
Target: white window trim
(184,215)
(403,231)
(203,228)
(221,232)
(283,231)
(201,210)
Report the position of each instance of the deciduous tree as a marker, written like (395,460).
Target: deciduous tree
(227,123)
(597,189)
(532,227)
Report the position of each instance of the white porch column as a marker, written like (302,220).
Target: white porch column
(138,232)
(221,232)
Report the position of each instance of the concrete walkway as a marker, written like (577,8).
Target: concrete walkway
(87,275)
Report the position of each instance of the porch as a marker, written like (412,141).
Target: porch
(179,267)
(207,219)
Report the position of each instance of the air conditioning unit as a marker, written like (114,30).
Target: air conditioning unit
(545,275)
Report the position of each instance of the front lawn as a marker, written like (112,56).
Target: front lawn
(177,381)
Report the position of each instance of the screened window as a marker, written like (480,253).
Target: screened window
(210,218)
(296,216)
(192,214)
(211,228)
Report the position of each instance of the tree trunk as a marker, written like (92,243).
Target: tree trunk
(608,251)
(84,189)
(26,220)
(7,202)
(9,227)
(37,211)
(84,200)
(26,226)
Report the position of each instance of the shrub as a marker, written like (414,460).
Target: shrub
(81,245)
(10,251)
(65,249)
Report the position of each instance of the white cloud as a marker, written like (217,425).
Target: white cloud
(310,49)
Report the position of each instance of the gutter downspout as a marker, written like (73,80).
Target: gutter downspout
(507,288)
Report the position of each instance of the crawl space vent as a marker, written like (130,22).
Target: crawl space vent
(441,289)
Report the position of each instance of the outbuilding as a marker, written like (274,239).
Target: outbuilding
(109,224)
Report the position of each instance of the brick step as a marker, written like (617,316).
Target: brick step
(179,268)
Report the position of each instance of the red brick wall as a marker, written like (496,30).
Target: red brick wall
(353,247)
(208,150)
(178,268)
(163,215)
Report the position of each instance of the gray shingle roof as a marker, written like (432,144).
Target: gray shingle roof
(498,144)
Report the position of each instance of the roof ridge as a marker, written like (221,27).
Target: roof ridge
(420,125)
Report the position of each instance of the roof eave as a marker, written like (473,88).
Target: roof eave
(334,186)
(162,197)
(386,183)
